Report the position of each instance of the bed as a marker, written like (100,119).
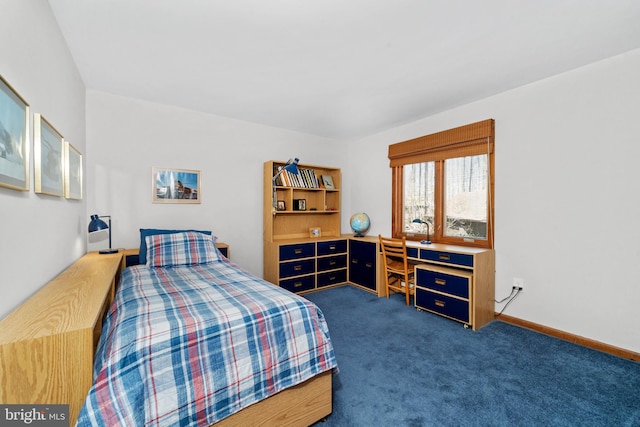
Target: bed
(193,340)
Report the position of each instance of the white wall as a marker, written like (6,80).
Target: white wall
(128,137)
(41,235)
(566,195)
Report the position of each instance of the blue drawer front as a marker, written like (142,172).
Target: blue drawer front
(448,283)
(448,257)
(362,263)
(332,247)
(332,278)
(297,268)
(442,304)
(303,250)
(412,253)
(363,272)
(332,262)
(298,284)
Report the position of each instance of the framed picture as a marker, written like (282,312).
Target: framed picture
(72,172)
(14,139)
(175,186)
(48,151)
(299,204)
(315,232)
(327,181)
(281,205)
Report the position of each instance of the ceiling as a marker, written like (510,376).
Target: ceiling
(335,68)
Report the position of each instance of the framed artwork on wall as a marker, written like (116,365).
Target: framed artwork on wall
(73,172)
(14,139)
(175,186)
(48,152)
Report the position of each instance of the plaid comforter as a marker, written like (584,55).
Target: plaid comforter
(190,346)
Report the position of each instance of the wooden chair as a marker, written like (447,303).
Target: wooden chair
(398,272)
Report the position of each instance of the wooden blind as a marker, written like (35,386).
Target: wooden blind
(469,140)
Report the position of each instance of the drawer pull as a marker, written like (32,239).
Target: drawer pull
(297,251)
(297,284)
(297,268)
(332,278)
(354,261)
(333,248)
(369,265)
(439,303)
(441,282)
(444,257)
(332,263)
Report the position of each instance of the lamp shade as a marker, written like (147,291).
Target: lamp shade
(292,166)
(97,224)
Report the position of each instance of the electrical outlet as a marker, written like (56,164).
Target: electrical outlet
(518,283)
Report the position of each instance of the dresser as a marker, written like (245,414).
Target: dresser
(306,265)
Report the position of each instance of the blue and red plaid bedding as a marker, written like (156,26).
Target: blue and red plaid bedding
(191,345)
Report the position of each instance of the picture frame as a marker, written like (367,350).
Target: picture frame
(299,204)
(175,186)
(72,172)
(315,232)
(49,158)
(14,139)
(281,206)
(327,181)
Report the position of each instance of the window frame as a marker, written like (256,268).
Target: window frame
(473,139)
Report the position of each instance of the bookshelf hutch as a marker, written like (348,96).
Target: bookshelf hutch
(294,256)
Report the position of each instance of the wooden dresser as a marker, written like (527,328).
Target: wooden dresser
(47,344)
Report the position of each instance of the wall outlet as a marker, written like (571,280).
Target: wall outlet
(518,283)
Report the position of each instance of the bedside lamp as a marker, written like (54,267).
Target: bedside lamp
(290,166)
(419,221)
(96,225)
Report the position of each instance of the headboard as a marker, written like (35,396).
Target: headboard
(47,344)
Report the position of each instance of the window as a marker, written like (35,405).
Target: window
(443,186)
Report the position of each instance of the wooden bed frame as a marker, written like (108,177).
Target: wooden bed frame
(47,347)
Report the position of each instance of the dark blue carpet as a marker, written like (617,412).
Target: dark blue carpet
(400,367)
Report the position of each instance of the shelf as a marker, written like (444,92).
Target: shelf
(307,212)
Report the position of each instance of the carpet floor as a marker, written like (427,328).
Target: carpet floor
(401,367)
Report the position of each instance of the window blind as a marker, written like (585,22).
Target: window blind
(468,140)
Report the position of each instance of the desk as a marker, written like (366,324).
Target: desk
(475,265)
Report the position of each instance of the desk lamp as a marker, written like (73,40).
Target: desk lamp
(419,221)
(96,225)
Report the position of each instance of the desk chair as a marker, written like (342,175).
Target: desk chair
(398,272)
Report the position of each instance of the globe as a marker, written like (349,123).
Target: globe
(360,223)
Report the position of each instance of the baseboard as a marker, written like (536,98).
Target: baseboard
(576,339)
